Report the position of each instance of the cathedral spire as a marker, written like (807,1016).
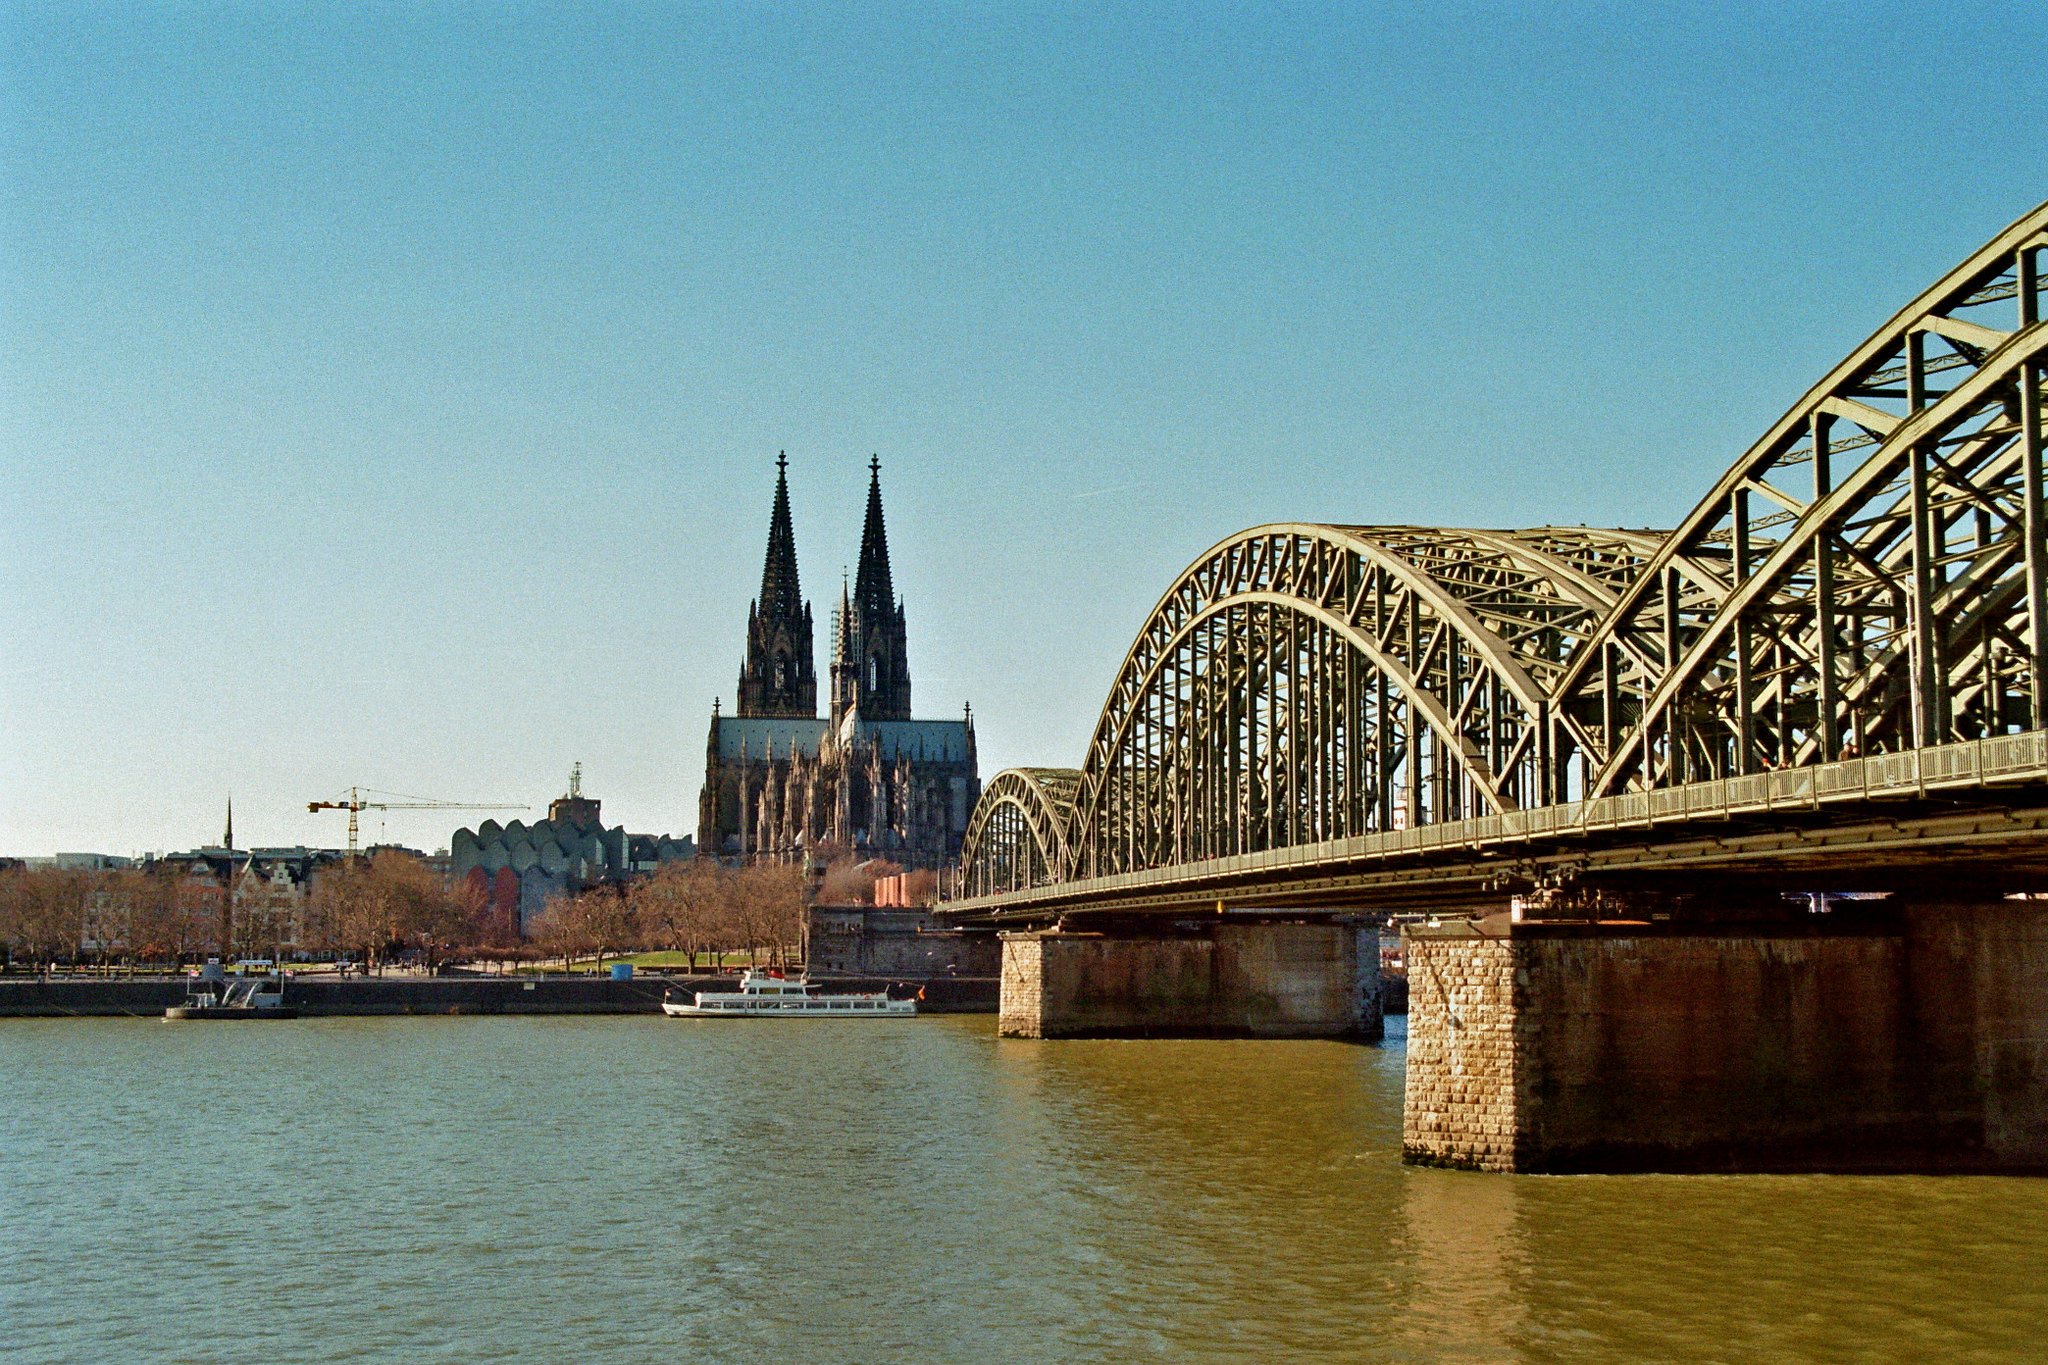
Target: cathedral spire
(872,588)
(871,663)
(779,677)
(227,840)
(780,590)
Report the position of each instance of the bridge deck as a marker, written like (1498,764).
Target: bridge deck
(1912,804)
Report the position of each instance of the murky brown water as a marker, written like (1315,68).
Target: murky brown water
(632,1189)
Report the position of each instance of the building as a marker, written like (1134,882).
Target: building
(271,890)
(518,867)
(84,862)
(782,783)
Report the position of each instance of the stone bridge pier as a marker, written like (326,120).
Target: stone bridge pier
(1221,979)
(1908,1038)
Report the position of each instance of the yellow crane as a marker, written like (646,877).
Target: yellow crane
(353,801)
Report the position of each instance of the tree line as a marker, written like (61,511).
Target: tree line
(695,908)
(370,909)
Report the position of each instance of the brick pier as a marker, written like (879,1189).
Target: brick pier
(1910,1038)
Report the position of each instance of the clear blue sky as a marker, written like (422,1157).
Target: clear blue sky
(389,393)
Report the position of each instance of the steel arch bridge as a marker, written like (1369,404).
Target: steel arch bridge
(1870,577)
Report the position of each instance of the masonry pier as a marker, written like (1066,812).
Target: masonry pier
(1908,1037)
(1256,980)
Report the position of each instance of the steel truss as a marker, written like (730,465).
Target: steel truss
(1868,576)
(1872,575)
(1017,836)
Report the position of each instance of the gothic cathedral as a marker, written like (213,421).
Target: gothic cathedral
(780,782)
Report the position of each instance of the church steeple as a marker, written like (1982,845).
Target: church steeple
(779,677)
(871,656)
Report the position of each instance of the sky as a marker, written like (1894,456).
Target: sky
(390,393)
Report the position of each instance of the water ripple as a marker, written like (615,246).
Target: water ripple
(620,1190)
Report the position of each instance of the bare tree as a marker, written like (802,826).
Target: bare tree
(845,883)
(371,905)
(850,883)
(681,907)
(604,921)
(429,914)
(43,911)
(173,915)
(351,911)
(559,931)
(768,904)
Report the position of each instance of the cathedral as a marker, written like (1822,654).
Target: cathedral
(782,783)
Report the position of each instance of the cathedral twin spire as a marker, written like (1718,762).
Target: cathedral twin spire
(870,656)
(873,592)
(779,677)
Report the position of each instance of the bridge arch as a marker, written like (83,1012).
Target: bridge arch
(1870,574)
(1299,683)
(1017,837)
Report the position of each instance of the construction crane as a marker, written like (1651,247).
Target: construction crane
(353,801)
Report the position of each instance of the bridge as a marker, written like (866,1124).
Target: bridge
(1831,676)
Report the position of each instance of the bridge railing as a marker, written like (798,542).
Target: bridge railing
(1997,760)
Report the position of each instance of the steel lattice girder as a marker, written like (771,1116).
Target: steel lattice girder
(1302,682)
(1017,836)
(1808,603)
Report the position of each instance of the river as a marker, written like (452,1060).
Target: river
(631,1189)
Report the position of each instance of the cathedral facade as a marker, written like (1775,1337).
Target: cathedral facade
(781,782)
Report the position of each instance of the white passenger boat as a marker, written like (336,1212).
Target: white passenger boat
(764,995)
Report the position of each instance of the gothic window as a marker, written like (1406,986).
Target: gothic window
(781,674)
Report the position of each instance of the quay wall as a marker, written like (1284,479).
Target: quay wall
(1911,1038)
(1250,980)
(61,998)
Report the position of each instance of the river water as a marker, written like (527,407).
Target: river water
(632,1189)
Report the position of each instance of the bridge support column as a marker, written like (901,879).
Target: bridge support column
(1228,980)
(1909,1038)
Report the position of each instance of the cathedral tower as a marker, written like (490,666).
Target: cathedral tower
(870,653)
(780,675)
